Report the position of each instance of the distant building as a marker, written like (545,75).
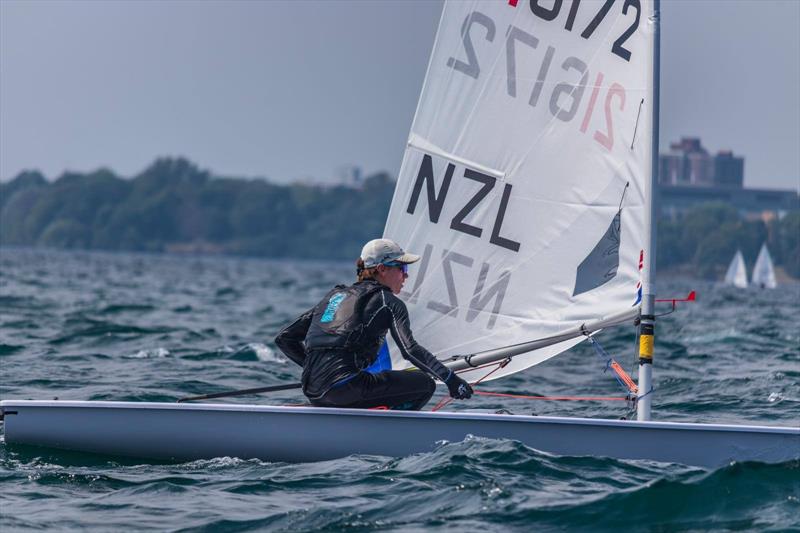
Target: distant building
(688,176)
(349,176)
(688,163)
(728,170)
(670,169)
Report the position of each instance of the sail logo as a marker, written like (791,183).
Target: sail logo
(602,263)
(436,201)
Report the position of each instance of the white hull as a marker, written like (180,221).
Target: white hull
(181,432)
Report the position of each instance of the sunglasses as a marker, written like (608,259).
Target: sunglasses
(401,266)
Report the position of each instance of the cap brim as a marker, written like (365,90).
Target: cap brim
(407,258)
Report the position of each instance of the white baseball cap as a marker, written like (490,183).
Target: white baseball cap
(382,251)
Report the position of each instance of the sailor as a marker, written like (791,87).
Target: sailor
(337,342)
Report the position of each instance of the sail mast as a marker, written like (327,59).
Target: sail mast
(647,331)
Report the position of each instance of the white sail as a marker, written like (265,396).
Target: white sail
(737,272)
(764,271)
(524,181)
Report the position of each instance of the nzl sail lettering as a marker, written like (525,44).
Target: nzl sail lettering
(522,48)
(436,201)
(488,293)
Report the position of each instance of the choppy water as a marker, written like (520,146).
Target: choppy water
(93,326)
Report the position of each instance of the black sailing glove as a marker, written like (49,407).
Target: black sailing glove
(459,389)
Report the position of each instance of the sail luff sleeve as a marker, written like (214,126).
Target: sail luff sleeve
(290,339)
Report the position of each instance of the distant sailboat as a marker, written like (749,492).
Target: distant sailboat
(737,272)
(764,272)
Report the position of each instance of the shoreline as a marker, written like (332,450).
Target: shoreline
(687,271)
(205,252)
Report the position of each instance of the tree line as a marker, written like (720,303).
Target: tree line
(174,206)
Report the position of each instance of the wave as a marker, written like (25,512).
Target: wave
(124,308)
(477,483)
(150,353)
(8,349)
(89,340)
(253,351)
(256,351)
(108,331)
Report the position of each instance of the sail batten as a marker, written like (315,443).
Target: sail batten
(511,182)
(415,141)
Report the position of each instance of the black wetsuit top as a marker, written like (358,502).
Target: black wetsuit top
(341,336)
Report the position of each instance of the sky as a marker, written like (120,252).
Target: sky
(290,90)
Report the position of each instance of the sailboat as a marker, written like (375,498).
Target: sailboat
(527,187)
(764,271)
(737,272)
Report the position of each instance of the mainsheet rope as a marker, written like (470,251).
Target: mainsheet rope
(622,377)
(444,401)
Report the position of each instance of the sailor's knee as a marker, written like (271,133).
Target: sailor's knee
(430,386)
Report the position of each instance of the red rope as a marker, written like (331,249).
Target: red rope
(444,401)
(564,398)
(619,371)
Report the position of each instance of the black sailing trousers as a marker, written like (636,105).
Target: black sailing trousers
(396,389)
